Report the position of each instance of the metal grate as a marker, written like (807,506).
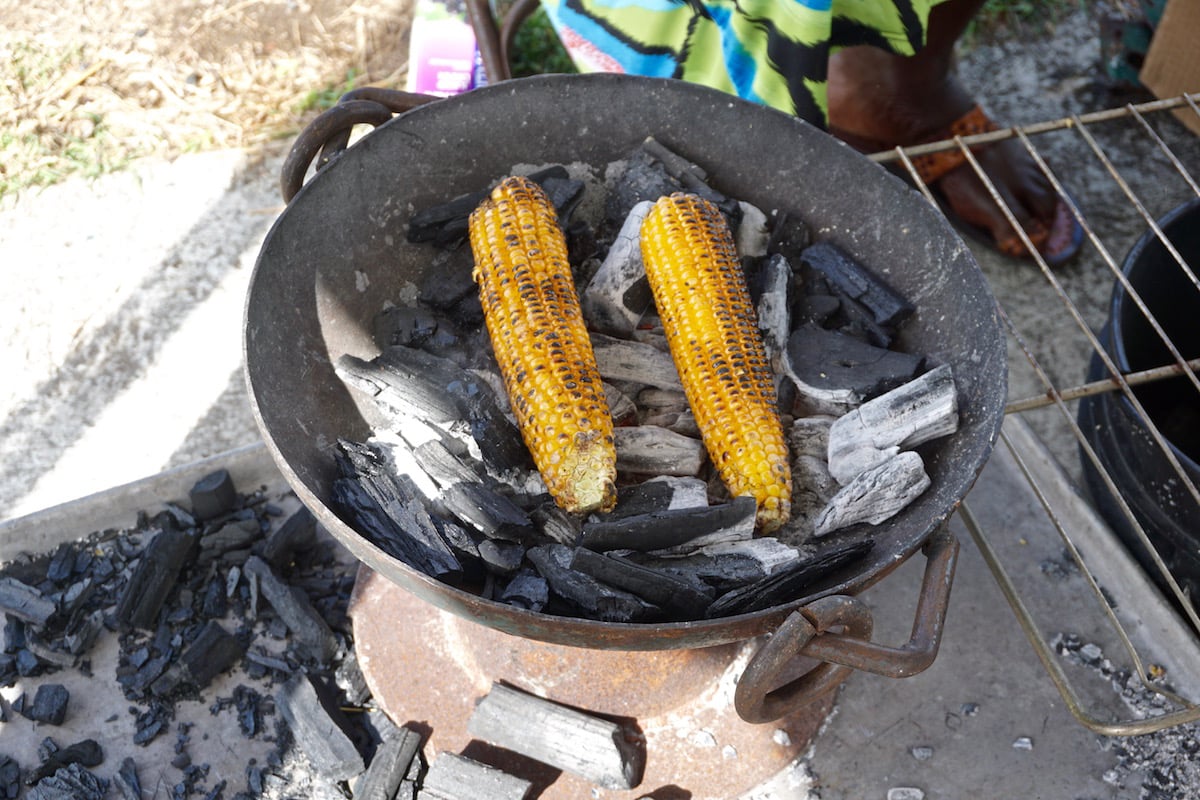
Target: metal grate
(1142,621)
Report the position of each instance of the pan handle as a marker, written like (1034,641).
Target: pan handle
(329,133)
(762,695)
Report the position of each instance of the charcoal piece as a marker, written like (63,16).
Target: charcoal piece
(292,605)
(692,177)
(408,326)
(653,450)
(555,524)
(502,558)
(61,565)
(643,179)
(139,681)
(318,733)
(399,388)
(724,566)
(598,750)
(234,535)
(87,753)
(492,514)
(678,597)
(213,651)
(214,604)
(127,783)
(380,508)
(640,498)
(445,284)
(832,360)
(349,678)
(71,782)
(27,663)
(49,704)
(48,653)
(454,777)
(446,222)
(753,233)
(791,583)
(887,307)
(815,309)
(443,466)
(875,495)
(659,530)
(526,590)
(296,535)
(213,495)
(595,599)
(154,577)
(24,602)
(618,294)
(635,362)
(855,320)
(564,193)
(76,595)
(392,761)
(789,235)
(10,778)
(14,633)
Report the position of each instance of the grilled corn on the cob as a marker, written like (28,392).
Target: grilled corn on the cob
(696,278)
(537,330)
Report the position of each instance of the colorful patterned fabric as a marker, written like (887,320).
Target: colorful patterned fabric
(774,52)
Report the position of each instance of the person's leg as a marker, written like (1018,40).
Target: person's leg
(878,100)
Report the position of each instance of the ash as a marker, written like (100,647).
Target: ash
(1165,763)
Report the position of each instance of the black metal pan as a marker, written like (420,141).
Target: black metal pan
(338,252)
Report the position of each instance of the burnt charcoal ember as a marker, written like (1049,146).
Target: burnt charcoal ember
(308,627)
(875,495)
(753,233)
(235,535)
(155,576)
(724,566)
(127,783)
(10,778)
(413,326)
(492,514)
(564,193)
(392,762)
(502,558)
(443,466)
(62,564)
(887,307)
(87,753)
(680,599)
(72,782)
(24,602)
(555,524)
(526,590)
(455,777)
(317,732)
(672,528)
(349,678)
(831,360)
(445,284)
(213,495)
(815,309)
(692,177)
(643,179)
(398,389)
(789,583)
(213,651)
(297,534)
(634,362)
(379,507)
(925,408)
(618,294)
(653,450)
(598,750)
(49,704)
(595,599)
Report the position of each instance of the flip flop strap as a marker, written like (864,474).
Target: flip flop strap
(933,166)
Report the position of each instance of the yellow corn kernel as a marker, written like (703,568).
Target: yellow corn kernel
(541,343)
(696,278)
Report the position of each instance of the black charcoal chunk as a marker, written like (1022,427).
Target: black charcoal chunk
(24,602)
(526,590)
(791,583)
(213,495)
(595,599)
(297,535)
(154,578)
(831,360)
(391,763)
(682,599)
(407,326)
(317,733)
(49,704)
(87,753)
(887,307)
(10,778)
(659,530)
(72,782)
(213,651)
(127,783)
(235,535)
(502,558)
(308,627)
(492,514)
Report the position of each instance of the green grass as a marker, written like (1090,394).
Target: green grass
(323,99)
(537,49)
(1004,18)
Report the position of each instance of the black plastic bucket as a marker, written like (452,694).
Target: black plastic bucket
(1157,496)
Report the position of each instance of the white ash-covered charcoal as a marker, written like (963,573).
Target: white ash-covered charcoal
(789,583)
(455,777)
(809,436)
(410,326)
(594,599)
(831,360)
(622,409)
(651,450)
(651,332)
(155,576)
(24,602)
(812,490)
(554,523)
(378,507)
(319,730)
(618,294)
(308,628)
(653,400)
(680,599)
(773,309)
(866,287)
(598,750)
(622,360)
(725,565)
(753,234)
(527,589)
(922,409)
(674,530)
(875,495)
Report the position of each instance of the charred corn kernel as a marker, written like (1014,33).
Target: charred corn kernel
(696,278)
(537,330)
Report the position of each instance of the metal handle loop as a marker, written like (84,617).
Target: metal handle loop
(760,697)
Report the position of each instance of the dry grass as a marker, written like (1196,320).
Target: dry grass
(85,87)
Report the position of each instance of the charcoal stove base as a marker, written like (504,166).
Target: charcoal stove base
(427,668)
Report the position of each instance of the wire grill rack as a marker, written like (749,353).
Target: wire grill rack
(1134,164)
